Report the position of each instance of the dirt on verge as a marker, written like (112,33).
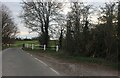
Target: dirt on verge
(66,68)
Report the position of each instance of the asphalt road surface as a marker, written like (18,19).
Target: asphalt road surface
(0,64)
(16,62)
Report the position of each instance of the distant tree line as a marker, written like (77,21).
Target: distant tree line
(26,39)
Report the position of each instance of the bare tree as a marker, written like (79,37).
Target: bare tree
(74,29)
(59,29)
(108,16)
(38,17)
(9,29)
(0,18)
(118,27)
(69,40)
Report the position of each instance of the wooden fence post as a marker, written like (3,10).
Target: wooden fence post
(32,46)
(57,48)
(27,45)
(44,47)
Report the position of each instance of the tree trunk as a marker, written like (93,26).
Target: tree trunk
(46,32)
(60,39)
(118,27)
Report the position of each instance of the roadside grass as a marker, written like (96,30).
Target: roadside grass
(4,47)
(52,43)
(77,59)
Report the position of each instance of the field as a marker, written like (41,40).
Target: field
(20,43)
(52,44)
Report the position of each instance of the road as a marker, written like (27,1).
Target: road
(0,64)
(16,62)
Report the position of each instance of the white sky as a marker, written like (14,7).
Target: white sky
(15,7)
(63,0)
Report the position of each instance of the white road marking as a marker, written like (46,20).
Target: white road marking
(41,62)
(28,53)
(37,59)
(54,71)
(45,64)
(48,66)
(6,49)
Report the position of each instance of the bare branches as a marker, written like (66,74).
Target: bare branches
(9,29)
(37,16)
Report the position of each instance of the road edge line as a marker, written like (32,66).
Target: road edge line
(47,66)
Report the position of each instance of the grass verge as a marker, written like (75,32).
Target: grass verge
(76,59)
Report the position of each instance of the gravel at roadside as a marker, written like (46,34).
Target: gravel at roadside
(75,69)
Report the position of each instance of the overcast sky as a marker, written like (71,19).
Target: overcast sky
(15,7)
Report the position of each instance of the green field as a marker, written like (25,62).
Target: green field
(52,43)
(20,43)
